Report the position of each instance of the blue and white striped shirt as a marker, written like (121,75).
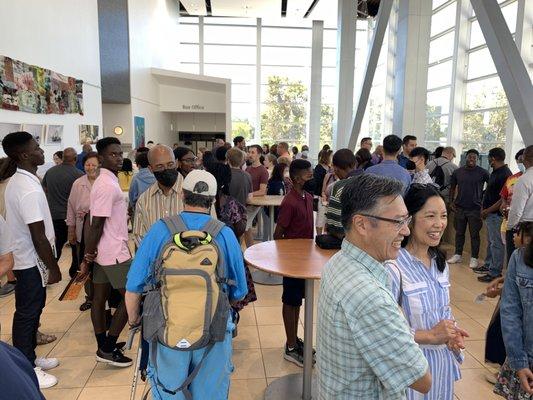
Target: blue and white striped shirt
(425,302)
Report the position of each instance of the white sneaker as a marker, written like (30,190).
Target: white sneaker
(46,363)
(474,263)
(456,259)
(45,380)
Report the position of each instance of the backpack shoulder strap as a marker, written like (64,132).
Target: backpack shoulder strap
(213,227)
(175,224)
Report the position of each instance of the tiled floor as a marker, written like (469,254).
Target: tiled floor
(257,349)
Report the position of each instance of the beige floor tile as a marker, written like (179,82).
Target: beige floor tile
(458,314)
(75,344)
(61,394)
(45,349)
(6,339)
(484,322)
(272,336)
(470,361)
(73,372)
(473,386)
(474,329)
(247,338)
(483,310)
(8,307)
(460,293)
(247,316)
(247,389)
(6,322)
(248,364)
(58,322)
(83,323)
(110,393)
(268,295)
(276,365)
(271,315)
(6,300)
(56,306)
(106,375)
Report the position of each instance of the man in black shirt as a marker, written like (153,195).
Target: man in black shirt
(467,182)
(490,212)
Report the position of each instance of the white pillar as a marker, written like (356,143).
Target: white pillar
(391,62)
(315,96)
(201,44)
(411,70)
(257,134)
(342,120)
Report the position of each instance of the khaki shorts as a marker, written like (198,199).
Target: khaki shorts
(114,274)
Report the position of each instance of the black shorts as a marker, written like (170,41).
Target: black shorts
(293,291)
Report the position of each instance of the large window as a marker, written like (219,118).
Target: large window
(485,109)
(440,66)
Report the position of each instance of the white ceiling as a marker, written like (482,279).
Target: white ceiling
(261,8)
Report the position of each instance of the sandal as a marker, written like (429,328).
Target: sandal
(86,306)
(43,338)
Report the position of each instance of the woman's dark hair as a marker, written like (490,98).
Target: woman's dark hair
(222,174)
(526,228)
(278,172)
(274,149)
(59,154)
(294,150)
(438,152)
(141,159)
(180,152)
(363,158)
(127,165)
(421,151)
(8,167)
(207,158)
(415,199)
(90,154)
(220,154)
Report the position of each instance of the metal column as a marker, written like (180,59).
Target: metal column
(384,12)
(315,97)
(509,64)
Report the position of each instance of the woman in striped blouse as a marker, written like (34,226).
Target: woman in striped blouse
(420,282)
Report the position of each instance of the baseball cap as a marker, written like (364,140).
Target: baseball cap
(200,182)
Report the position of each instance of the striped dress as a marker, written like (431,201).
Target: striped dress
(426,301)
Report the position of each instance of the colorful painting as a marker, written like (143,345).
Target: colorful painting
(138,123)
(28,88)
(89,134)
(6,128)
(54,134)
(36,130)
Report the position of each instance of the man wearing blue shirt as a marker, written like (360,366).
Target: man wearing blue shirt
(173,366)
(408,144)
(389,167)
(143,179)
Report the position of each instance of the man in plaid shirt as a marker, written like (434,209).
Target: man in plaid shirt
(364,347)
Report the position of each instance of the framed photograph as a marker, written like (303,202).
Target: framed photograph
(54,134)
(6,127)
(138,123)
(89,134)
(36,130)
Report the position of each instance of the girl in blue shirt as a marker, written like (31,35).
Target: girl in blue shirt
(515,381)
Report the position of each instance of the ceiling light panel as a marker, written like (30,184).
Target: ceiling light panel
(246,8)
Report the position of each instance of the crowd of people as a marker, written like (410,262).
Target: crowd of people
(385,325)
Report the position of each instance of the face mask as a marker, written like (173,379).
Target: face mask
(521,167)
(167,177)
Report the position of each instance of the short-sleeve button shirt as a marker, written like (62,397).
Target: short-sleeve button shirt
(364,347)
(26,204)
(107,200)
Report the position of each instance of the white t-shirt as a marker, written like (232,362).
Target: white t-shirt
(6,245)
(25,204)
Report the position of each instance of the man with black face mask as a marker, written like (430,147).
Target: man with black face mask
(162,199)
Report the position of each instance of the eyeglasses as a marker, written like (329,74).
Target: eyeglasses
(189,160)
(400,223)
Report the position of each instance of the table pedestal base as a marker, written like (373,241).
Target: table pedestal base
(264,278)
(289,387)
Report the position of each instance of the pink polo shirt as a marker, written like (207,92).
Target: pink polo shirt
(107,201)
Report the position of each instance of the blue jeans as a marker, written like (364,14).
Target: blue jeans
(497,250)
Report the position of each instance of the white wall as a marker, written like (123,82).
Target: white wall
(198,122)
(118,115)
(63,36)
(177,99)
(153,43)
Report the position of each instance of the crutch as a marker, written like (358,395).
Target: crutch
(131,336)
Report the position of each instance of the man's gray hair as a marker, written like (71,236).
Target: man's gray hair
(197,200)
(362,194)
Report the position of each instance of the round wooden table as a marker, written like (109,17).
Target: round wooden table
(266,201)
(296,258)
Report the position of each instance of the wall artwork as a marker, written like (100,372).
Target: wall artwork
(54,134)
(28,88)
(6,128)
(36,130)
(138,123)
(89,134)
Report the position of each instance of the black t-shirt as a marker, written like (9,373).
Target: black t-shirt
(469,182)
(58,182)
(318,175)
(18,379)
(494,187)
